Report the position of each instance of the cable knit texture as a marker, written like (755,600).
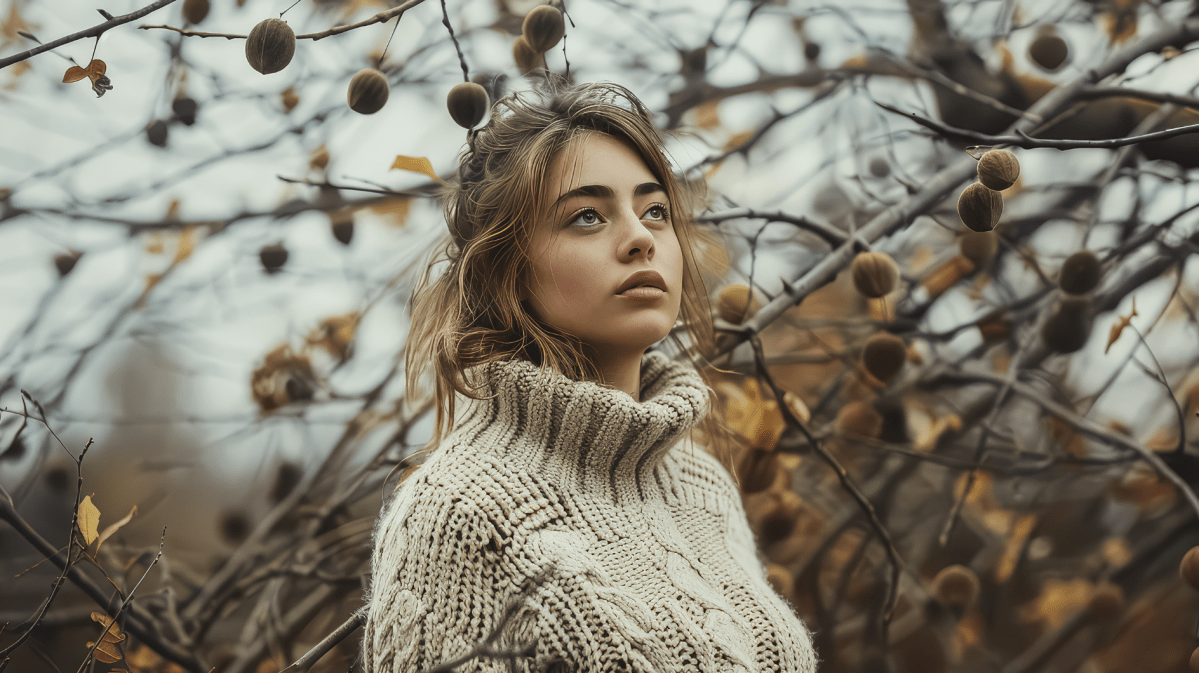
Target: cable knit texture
(650,564)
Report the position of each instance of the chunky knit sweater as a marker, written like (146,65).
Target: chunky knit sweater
(617,548)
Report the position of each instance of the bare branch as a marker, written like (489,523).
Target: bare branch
(94,31)
(1022,140)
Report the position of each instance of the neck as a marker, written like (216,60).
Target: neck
(621,370)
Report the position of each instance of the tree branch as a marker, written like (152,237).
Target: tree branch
(1022,140)
(94,31)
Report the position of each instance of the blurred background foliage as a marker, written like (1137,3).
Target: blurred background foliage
(985,465)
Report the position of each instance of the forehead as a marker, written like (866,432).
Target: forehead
(597,159)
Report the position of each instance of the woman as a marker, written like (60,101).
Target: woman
(562,490)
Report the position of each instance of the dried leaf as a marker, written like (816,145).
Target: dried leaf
(108,651)
(1058,601)
(1118,327)
(115,527)
(706,115)
(187,243)
(89,519)
(74,74)
(394,209)
(1020,531)
(1120,22)
(1063,433)
(113,634)
(416,165)
(737,140)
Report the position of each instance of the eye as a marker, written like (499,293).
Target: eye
(657,212)
(586,217)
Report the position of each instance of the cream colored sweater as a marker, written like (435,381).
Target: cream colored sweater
(652,563)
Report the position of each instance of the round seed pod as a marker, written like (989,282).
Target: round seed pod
(290,99)
(468,102)
(57,478)
(543,28)
(235,526)
(884,355)
(956,586)
(874,274)
(343,231)
(998,169)
(1049,51)
(979,206)
(879,167)
(779,519)
(978,246)
(195,10)
(736,303)
(65,262)
(368,91)
(1080,273)
(270,46)
(1106,604)
(185,109)
(156,133)
(525,56)
(1069,326)
(287,478)
(859,418)
(273,257)
(757,470)
(1189,568)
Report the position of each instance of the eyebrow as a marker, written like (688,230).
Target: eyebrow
(600,191)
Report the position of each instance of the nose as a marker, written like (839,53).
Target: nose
(636,238)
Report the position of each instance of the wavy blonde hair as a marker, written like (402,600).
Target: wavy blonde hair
(471,314)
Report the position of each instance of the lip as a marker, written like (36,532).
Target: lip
(643,277)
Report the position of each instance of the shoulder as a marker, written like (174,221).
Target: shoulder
(458,488)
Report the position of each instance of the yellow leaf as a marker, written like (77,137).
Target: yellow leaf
(113,633)
(115,527)
(89,519)
(416,165)
(1058,601)
(74,74)
(1118,327)
(106,653)
(737,140)
(187,243)
(706,115)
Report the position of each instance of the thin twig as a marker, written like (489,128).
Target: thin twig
(126,602)
(825,232)
(322,648)
(850,486)
(381,17)
(1024,141)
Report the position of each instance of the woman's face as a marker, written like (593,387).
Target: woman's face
(609,219)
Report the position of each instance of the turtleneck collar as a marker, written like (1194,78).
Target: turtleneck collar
(580,433)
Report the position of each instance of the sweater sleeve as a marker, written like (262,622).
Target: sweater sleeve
(434,585)
(449,559)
